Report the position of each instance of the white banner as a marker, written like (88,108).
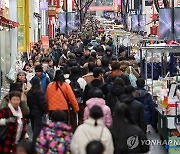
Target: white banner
(36,6)
(69,5)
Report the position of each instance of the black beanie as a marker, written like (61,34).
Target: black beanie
(38,68)
(122,48)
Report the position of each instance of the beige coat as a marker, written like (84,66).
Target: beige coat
(87,132)
(26,87)
(88,77)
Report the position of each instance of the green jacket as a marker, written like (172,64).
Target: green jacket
(23,105)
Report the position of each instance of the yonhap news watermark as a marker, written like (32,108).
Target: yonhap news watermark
(134,141)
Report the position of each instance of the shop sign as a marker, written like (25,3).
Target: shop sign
(44,6)
(45,42)
(133,12)
(118,2)
(52,11)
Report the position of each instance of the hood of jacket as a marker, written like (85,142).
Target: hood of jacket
(141,92)
(117,90)
(58,125)
(95,101)
(115,73)
(126,98)
(43,75)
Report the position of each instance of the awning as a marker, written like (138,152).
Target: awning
(7,23)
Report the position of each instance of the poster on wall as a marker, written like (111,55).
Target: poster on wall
(135,23)
(177,23)
(62,21)
(165,23)
(71,21)
(45,42)
(142,23)
(148,2)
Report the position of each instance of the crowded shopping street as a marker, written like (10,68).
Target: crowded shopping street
(90,76)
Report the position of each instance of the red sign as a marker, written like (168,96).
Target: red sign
(161,4)
(178,3)
(45,42)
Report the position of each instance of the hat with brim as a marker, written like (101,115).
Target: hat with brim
(21,72)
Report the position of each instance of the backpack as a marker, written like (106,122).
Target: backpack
(78,92)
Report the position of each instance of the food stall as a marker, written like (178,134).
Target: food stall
(166,94)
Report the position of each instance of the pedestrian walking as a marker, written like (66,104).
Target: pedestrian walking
(12,124)
(37,105)
(55,137)
(124,129)
(92,129)
(59,96)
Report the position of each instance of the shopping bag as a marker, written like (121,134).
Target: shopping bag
(132,78)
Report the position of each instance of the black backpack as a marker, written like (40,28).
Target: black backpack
(78,92)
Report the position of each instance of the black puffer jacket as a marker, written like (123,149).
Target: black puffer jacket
(114,96)
(136,110)
(135,107)
(132,135)
(37,103)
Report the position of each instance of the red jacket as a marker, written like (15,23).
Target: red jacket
(8,146)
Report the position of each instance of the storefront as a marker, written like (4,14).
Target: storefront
(5,27)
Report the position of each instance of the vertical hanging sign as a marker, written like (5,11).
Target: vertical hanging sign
(69,5)
(161,4)
(45,42)
(178,3)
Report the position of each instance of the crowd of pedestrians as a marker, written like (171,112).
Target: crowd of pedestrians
(79,97)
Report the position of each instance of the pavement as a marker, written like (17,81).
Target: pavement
(155,149)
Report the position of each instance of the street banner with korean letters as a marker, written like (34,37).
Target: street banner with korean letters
(45,42)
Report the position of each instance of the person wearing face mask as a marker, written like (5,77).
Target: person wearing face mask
(12,124)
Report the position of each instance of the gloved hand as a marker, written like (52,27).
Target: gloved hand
(10,120)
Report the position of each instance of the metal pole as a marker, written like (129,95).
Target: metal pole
(66,16)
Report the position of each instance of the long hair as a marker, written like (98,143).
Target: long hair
(36,87)
(122,120)
(59,78)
